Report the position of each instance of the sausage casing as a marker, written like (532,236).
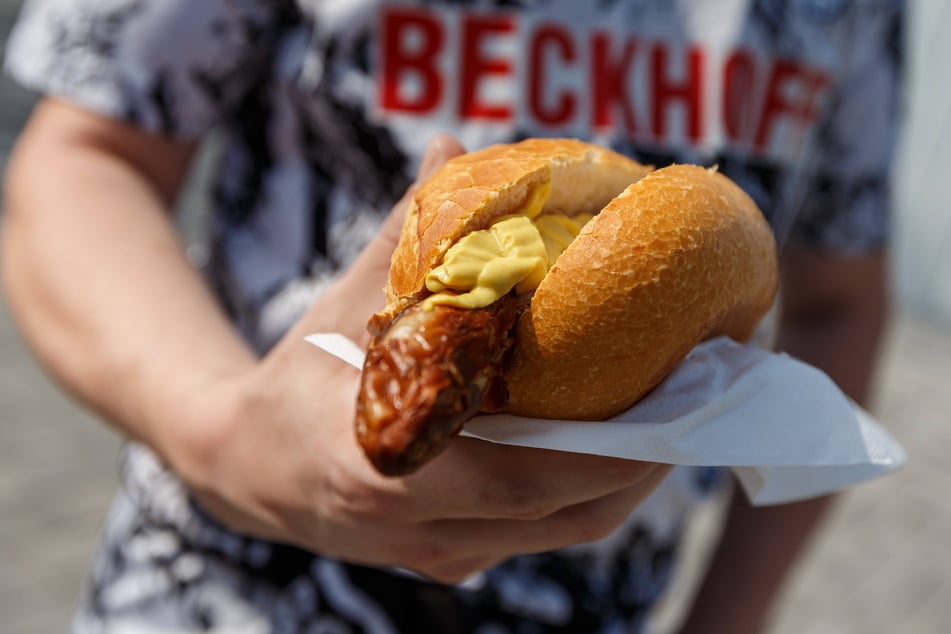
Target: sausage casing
(427,373)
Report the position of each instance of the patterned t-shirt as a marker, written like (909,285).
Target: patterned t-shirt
(324,108)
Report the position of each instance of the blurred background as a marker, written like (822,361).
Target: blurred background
(882,565)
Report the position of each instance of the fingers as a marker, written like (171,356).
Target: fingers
(455,549)
(574,524)
(476,479)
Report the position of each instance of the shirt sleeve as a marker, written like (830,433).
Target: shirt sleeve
(848,206)
(174,67)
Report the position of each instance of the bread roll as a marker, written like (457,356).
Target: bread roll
(671,257)
(472,190)
(679,256)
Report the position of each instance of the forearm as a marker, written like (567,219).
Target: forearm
(834,322)
(98,282)
(844,341)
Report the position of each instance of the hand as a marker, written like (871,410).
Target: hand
(280,460)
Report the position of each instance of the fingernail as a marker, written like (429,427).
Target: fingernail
(430,159)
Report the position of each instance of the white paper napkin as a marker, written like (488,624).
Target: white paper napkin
(783,426)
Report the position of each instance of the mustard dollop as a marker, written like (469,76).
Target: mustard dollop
(515,252)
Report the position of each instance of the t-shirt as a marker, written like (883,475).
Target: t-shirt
(323,108)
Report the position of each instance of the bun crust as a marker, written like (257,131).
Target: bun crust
(472,190)
(679,256)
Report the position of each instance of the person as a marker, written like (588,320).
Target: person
(245,505)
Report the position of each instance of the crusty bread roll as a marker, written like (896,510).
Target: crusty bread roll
(671,257)
(472,190)
(679,256)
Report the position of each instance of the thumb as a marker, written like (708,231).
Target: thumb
(363,283)
(358,293)
(377,254)
(439,150)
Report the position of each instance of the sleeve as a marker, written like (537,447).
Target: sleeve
(847,208)
(172,67)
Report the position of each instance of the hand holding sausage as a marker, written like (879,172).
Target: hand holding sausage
(282,462)
(555,279)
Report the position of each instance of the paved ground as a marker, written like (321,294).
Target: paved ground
(883,564)
(881,567)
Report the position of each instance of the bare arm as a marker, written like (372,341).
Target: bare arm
(97,280)
(834,311)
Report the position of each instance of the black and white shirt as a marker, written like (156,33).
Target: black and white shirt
(325,107)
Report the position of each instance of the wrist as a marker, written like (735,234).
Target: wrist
(191,432)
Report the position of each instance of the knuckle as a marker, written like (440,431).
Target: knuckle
(354,498)
(518,499)
(424,556)
(596,520)
(588,530)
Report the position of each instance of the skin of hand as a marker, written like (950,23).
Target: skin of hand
(266,445)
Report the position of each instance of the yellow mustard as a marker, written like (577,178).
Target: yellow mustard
(516,251)
(558,231)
